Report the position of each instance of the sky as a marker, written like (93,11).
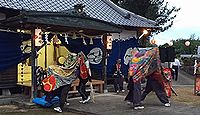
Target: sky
(185,24)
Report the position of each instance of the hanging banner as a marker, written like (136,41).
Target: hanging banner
(13,49)
(94,53)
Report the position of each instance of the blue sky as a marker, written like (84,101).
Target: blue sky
(186,23)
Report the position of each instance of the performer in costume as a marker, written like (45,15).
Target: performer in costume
(84,76)
(134,86)
(142,63)
(155,83)
(59,80)
(119,78)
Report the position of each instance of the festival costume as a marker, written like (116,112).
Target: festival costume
(167,81)
(134,94)
(142,63)
(155,82)
(59,76)
(84,76)
(59,80)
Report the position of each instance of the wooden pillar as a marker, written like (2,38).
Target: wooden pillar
(104,63)
(45,56)
(33,63)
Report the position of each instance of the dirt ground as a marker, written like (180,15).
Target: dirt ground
(186,95)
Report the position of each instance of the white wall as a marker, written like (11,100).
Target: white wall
(125,34)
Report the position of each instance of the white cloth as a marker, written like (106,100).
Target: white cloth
(176,62)
(88,67)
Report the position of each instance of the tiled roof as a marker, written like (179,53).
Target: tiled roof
(100,9)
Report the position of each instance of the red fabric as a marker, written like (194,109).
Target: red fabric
(83,68)
(167,82)
(163,79)
(157,75)
(49,83)
(118,66)
(167,89)
(47,87)
(83,71)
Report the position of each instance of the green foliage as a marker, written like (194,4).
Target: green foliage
(148,44)
(157,10)
(181,48)
(188,61)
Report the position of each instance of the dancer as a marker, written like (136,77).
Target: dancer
(59,80)
(84,76)
(155,83)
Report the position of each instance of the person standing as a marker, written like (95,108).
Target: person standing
(84,76)
(119,79)
(175,68)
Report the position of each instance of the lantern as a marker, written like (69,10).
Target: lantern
(187,43)
(109,42)
(143,33)
(153,41)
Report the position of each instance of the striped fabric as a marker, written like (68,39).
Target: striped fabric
(143,63)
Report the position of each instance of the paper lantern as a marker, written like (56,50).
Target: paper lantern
(187,43)
(153,41)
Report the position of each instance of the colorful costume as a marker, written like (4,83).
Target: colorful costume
(60,76)
(59,80)
(143,63)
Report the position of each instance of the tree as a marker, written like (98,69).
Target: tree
(181,48)
(157,10)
